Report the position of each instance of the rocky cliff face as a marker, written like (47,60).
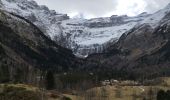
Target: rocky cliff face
(141,52)
(94,35)
(23,48)
(82,36)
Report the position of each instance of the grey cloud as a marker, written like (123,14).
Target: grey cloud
(154,5)
(93,7)
(97,7)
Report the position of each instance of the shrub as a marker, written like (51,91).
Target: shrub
(66,98)
(162,95)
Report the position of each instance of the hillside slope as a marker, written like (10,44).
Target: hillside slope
(24,47)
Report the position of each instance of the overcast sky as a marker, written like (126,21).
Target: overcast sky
(103,8)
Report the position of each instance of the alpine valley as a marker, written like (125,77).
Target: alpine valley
(40,46)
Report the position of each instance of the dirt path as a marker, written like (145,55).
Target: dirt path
(142,89)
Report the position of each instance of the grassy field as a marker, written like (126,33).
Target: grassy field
(27,87)
(118,92)
(114,92)
(19,92)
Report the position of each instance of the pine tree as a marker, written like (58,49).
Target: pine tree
(50,81)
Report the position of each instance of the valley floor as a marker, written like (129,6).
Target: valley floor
(121,92)
(106,92)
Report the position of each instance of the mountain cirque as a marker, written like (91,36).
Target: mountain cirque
(82,36)
(121,44)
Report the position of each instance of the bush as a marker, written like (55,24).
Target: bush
(162,95)
(66,98)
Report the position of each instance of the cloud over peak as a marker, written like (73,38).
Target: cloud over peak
(103,8)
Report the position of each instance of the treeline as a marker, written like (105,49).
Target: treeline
(69,81)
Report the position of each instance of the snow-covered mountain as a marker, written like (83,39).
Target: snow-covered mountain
(83,36)
(94,35)
(143,51)
(41,16)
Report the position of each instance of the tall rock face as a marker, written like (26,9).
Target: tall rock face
(95,35)
(142,52)
(82,36)
(23,48)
